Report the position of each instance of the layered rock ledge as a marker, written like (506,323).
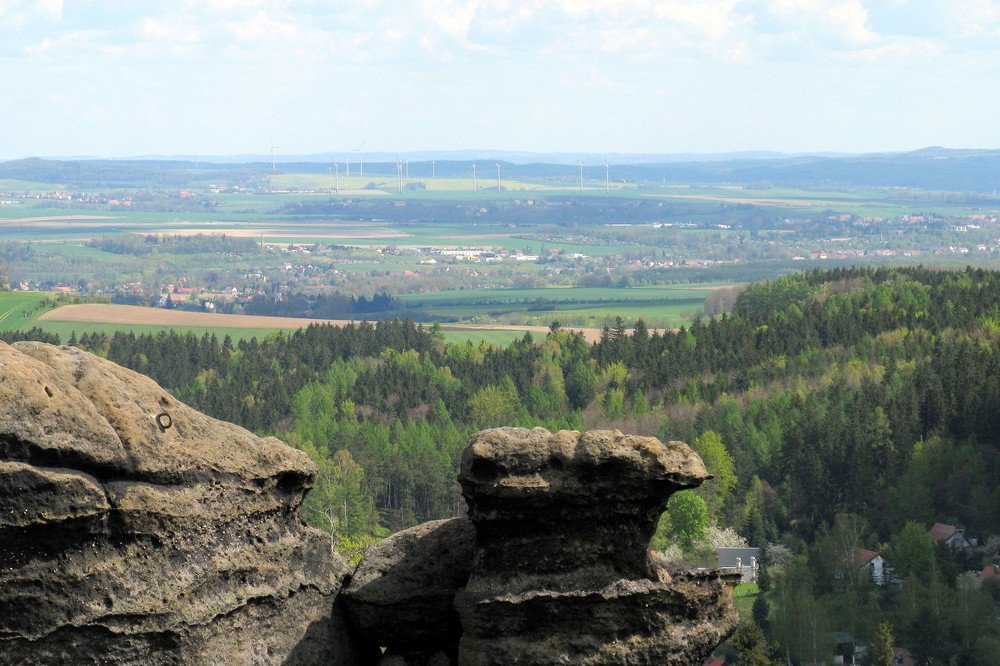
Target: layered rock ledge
(561,572)
(134,529)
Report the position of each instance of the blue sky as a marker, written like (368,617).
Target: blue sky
(137,77)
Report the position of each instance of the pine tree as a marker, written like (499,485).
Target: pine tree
(881,648)
(750,643)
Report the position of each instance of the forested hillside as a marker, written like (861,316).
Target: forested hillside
(854,406)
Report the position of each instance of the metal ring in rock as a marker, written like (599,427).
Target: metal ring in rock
(164,421)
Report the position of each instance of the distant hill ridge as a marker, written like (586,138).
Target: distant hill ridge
(932,168)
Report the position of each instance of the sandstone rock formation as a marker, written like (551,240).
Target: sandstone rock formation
(134,529)
(561,573)
(403,592)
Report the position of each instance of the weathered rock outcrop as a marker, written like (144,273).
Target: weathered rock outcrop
(402,594)
(134,529)
(561,573)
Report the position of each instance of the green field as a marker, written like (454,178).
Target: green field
(64,329)
(499,338)
(664,306)
(743,597)
(12,306)
(560,294)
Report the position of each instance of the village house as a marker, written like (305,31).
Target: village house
(990,571)
(869,559)
(745,560)
(950,535)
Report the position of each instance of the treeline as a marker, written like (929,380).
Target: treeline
(138,244)
(128,172)
(16,251)
(319,306)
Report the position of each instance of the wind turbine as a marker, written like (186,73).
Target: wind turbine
(361,153)
(399,176)
(347,164)
(337,168)
(580,164)
(475,186)
(274,149)
(330,169)
(607,176)
(433,176)
(498,179)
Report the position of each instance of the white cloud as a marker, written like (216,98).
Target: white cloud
(160,31)
(79,42)
(714,20)
(451,17)
(53,8)
(43,47)
(822,19)
(263,27)
(16,14)
(979,17)
(586,8)
(901,50)
(850,18)
(223,6)
(623,40)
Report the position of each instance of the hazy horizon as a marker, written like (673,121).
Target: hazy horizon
(458,155)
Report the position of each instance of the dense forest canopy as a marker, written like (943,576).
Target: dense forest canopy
(856,400)
(863,390)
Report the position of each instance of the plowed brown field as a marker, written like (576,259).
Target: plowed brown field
(132,314)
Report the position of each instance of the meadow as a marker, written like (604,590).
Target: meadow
(14,305)
(665,306)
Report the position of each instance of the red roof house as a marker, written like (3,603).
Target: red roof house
(990,571)
(950,535)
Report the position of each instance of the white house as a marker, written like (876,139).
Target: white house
(869,559)
(746,560)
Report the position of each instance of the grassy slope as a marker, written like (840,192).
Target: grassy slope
(12,306)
